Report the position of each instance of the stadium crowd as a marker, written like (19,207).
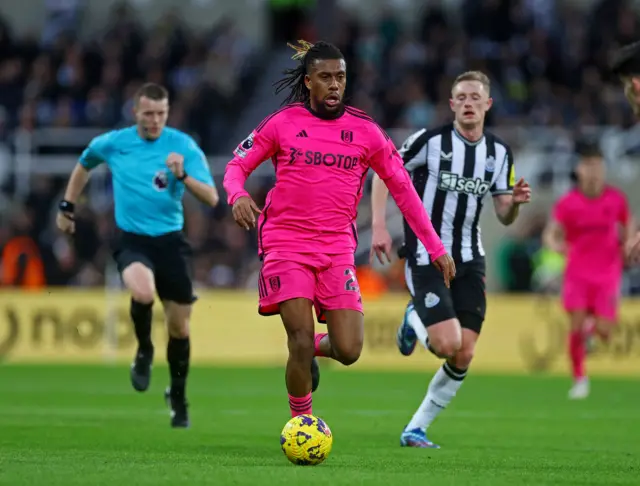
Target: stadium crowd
(547,64)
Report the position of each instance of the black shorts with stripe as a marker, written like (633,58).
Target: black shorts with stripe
(434,302)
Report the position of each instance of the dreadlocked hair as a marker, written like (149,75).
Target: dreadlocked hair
(307,54)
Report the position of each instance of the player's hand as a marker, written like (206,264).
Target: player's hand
(521,192)
(633,250)
(447,266)
(175,163)
(244,211)
(381,244)
(65,222)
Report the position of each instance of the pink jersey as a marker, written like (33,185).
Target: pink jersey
(592,233)
(321,167)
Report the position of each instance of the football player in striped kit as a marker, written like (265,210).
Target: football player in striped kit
(453,168)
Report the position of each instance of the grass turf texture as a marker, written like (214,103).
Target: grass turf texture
(79,425)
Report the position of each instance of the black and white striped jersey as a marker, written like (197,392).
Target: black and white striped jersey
(453,175)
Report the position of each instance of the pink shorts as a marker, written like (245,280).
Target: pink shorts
(600,299)
(329,281)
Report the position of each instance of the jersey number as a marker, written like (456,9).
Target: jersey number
(351,284)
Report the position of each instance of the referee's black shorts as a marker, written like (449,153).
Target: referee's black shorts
(466,299)
(167,256)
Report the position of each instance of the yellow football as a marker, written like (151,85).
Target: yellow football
(306,440)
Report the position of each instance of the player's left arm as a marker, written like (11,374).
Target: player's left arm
(508,194)
(196,175)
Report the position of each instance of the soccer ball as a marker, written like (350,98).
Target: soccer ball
(306,440)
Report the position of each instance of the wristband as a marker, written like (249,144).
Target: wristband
(66,206)
(184,176)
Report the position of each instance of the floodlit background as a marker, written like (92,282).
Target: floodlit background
(68,69)
(68,415)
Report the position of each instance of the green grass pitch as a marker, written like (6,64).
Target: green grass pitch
(83,425)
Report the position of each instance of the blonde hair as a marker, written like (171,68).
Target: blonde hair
(301,49)
(473,76)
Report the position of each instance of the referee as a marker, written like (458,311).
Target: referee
(151,165)
(453,168)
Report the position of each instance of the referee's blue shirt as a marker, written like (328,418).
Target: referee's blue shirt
(148,198)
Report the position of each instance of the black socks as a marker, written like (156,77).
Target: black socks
(142,315)
(178,354)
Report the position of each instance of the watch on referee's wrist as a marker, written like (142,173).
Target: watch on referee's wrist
(66,206)
(183,176)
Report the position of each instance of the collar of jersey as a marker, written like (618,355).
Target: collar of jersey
(465,140)
(307,105)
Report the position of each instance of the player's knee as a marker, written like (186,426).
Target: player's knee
(179,329)
(178,318)
(347,355)
(446,345)
(577,321)
(140,281)
(143,295)
(462,359)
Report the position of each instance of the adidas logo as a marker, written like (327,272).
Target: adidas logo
(303,134)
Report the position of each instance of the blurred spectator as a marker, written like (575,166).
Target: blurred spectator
(547,62)
(69,83)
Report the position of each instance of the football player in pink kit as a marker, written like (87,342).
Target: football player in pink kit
(321,151)
(590,224)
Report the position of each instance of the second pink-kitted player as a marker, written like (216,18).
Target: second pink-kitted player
(321,150)
(590,225)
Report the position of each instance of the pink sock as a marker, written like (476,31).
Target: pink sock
(300,405)
(577,353)
(316,344)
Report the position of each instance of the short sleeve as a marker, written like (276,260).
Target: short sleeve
(414,150)
(97,152)
(507,176)
(384,159)
(196,164)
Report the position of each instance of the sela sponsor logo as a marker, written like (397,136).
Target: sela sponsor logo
(327,159)
(456,183)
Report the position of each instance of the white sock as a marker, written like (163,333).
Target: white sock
(418,327)
(443,387)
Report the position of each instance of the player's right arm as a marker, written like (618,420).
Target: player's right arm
(260,145)
(95,154)
(553,234)
(414,155)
